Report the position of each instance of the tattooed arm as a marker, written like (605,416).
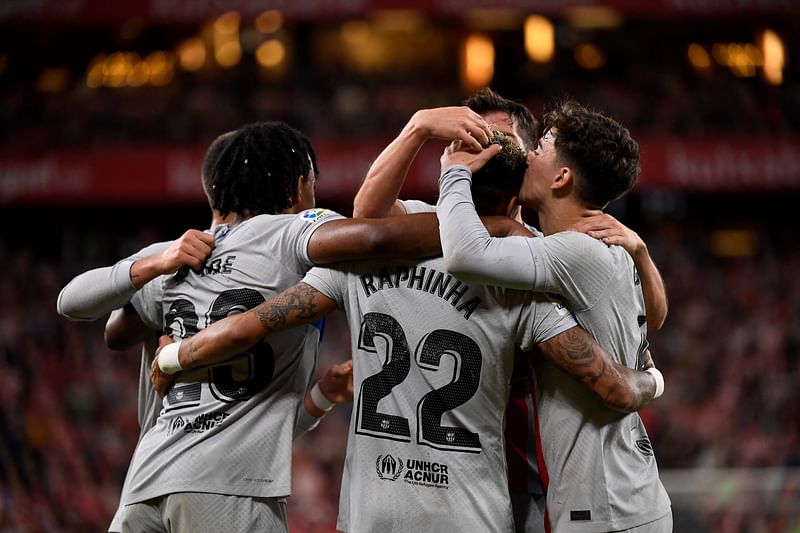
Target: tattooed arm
(619,387)
(222,340)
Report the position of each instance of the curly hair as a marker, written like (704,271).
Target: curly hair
(601,150)
(257,169)
(499,180)
(487,101)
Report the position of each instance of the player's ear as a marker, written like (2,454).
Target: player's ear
(563,180)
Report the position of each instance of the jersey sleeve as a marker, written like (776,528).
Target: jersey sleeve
(417,206)
(574,266)
(148,304)
(99,291)
(305,225)
(470,253)
(542,318)
(332,283)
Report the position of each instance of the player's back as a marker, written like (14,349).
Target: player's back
(228,428)
(432,359)
(600,464)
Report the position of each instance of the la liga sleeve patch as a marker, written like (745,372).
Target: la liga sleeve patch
(315,215)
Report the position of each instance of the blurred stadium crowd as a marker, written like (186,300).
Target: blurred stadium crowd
(730,349)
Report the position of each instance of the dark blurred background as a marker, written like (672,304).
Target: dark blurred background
(107,108)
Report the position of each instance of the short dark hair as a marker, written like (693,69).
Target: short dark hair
(257,169)
(487,101)
(600,150)
(500,178)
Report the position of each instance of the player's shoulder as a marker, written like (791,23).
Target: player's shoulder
(578,243)
(317,214)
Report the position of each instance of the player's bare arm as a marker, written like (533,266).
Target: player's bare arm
(125,328)
(414,235)
(378,194)
(619,387)
(336,385)
(296,306)
(611,231)
(220,341)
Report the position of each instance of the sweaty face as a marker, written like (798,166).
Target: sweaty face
(542,168)
(500,121)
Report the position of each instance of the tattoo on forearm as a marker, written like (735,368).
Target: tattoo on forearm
(577,354)
(297,302)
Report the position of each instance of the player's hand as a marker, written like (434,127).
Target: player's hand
(161,381)
(611,231)
(191,249)
(457,153)
(337,383)
(454,124)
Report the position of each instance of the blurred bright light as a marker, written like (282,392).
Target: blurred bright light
(698,56)
(192,54)
(734,243)
(159,68)
(590,56)
(115,70)
(540,42)
(494,18)
(773,53)
(741,58)
(271,53)
(227,48)
(52,80)
(95,73)
(269,21)
(228,54)
(398,20)
(593,17)
(478,63)
(356,32)
(227,24)
(137,76)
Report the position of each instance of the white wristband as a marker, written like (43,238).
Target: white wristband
(656,373)
(320,400)
(168,358)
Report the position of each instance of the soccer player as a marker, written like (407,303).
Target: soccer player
(598,466)
(269,168)
(431,359)
(378,196)
(95,293)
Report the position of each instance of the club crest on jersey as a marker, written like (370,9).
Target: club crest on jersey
(315,215)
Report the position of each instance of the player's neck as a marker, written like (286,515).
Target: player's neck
(561,214)
(230,218)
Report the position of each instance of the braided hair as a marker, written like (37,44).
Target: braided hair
(257,171)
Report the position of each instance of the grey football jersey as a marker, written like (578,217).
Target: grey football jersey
(432,359)
(601,467)
(228,428)
(602,471)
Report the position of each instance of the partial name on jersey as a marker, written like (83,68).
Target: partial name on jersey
(419,278)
